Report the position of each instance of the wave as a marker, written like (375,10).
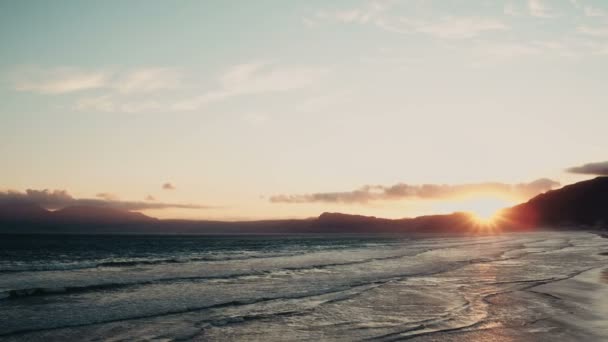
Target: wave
(336,289)
(38,291)
(350,288)
(137,262)
(224,256)
(41,291)
(46,291)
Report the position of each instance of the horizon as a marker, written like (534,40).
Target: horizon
(485,218)
(261,111)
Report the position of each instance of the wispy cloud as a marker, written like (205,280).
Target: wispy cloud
(63,80)
(255,119)
(255,78)
(129,91)
(57,199)
(538,8)
(444,27)
(114,103)
(380,15)
(594,12)
(148,80)
(59,80)
(369,13)
(597,31)
(456,27)
(510,9)
(596,169)
(588,10)
(107,196)
(400,191)
(508,50)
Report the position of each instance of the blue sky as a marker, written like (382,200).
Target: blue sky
(240,103)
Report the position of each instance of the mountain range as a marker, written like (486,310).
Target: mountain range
(583,205)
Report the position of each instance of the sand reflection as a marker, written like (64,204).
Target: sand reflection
(604,276)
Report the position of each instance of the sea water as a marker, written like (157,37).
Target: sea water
(506,287)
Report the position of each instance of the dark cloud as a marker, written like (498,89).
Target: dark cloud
(597,169)
(168,186)
(399,191)
(57,199)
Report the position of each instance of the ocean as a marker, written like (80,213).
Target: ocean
(540,286)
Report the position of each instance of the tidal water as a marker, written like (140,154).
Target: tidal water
(542,286)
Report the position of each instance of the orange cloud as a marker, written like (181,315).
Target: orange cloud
(369,193)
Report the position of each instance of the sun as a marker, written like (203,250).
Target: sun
(484,219)
(486,211)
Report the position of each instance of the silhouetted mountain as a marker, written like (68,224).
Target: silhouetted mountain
(578,206)
(100,215)
(583,203)
(33,213)
(28,212)
(344,223)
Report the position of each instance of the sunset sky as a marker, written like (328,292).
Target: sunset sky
(275,109)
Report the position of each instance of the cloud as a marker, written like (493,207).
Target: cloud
(400,191)
(116,89)
(107,196)
(168,186)
(510,9)
(509,50)
(378,14)
(576,3)
(594,12)
(147,80)
(58,199)
(150,198)
(589,11)
(255,119)
(371,12)
(255,78)
(454,27)
(62,80)
(111,103)
(58,80)
(593,31)
(538,8)
(597,169)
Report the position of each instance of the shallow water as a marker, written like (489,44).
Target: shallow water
(272,288)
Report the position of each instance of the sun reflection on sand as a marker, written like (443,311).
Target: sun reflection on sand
(604,276)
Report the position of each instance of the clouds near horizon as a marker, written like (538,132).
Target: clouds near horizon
(168,186)
(596,169)
(401,191)
(57,199)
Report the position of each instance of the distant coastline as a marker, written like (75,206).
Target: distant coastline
(580,206)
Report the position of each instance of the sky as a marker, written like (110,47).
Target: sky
(272,109)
